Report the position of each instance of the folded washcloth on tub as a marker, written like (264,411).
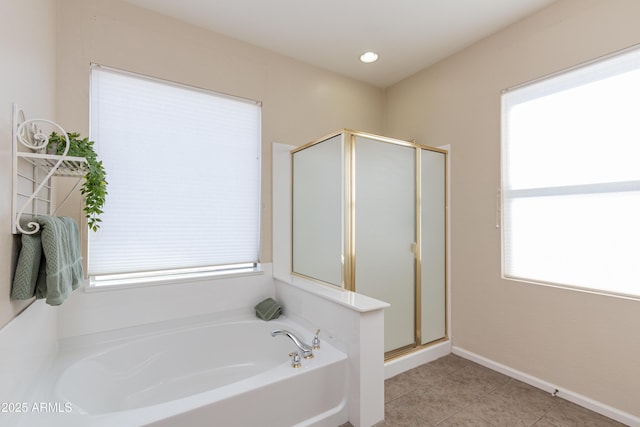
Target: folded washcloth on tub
(268,309)
(49,265)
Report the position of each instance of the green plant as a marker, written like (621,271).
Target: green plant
(94,188)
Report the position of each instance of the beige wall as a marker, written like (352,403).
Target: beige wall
(27,77)
(300,102)
(583,342)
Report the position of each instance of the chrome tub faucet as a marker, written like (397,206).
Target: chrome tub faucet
(305,349)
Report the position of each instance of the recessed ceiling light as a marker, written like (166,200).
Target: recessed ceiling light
(369,57)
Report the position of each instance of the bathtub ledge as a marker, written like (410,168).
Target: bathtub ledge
(352,300)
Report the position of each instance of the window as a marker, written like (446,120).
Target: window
(571,178)
(183,172)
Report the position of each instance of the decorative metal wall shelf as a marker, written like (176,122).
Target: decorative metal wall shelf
(33,169)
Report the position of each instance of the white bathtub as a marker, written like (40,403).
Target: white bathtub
(227,371)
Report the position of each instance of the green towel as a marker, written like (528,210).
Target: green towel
(268,309)
(28,267)
(56,274)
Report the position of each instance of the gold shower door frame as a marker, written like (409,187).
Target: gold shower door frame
(349,266)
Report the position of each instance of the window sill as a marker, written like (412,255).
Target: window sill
(574,288)
(169,279)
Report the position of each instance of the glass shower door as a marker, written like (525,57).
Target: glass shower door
(384,196)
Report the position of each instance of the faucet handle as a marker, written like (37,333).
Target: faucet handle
(315,343)
(295,359)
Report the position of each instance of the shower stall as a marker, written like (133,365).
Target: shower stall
(369,215)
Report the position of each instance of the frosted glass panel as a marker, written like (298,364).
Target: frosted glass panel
(385,233)
(433,226)
(318,211)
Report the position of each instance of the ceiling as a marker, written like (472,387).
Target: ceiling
(408,35)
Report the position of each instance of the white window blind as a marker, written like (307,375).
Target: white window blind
(183,172)
(571,178)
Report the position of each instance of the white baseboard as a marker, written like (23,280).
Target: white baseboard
(569,395)
(415,359)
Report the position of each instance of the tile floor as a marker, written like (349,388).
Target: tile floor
(453,391)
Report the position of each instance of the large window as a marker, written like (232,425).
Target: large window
(183,172)
(571,178)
